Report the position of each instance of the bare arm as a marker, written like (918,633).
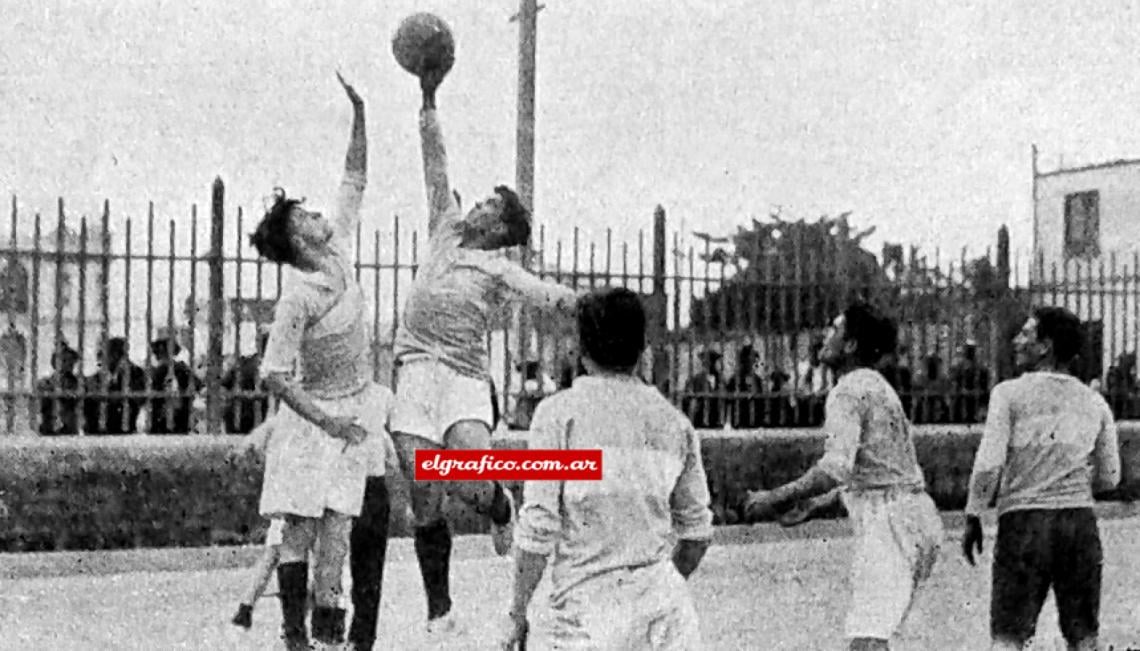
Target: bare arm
(442,207)
(351,193)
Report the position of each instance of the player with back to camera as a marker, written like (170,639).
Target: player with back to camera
(621,548)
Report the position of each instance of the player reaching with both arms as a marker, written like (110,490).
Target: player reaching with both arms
(870,454)
(442,378)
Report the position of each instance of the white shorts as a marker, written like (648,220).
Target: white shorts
(431,397)
(643,609)
(897,539)
(308,472)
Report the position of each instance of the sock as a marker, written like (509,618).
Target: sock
(500,511)
(367,547)
(293,587)
(433,549)
(328,624)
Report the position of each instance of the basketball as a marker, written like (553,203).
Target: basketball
(424,42)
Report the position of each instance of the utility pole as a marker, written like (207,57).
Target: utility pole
(527,18)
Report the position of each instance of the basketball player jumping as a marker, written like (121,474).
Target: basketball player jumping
(442,379)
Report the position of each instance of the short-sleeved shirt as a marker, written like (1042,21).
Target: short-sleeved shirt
(458,292)
(319,321)
(653,488)
(869,445)
(1046,435)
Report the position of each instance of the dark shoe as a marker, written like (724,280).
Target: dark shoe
(244,616)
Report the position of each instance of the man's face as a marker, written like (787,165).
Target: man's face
(1029,351)
(485,226)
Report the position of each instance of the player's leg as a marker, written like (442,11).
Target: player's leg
(1078,561)
(1021,576)
(487,498)
(328,616)
(263,571)
(368,546)
(432,533)
(897,539)
(297,538)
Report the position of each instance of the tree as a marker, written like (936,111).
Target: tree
(785,276)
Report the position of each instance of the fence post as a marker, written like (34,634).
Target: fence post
(215,326)
(659,316)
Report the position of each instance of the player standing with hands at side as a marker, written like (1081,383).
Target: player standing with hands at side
(1049,443)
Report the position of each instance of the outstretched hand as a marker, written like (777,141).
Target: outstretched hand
(430,79)
(350,91)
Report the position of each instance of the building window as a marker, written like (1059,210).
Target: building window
(1082,224)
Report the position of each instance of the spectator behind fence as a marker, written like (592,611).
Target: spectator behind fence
(971,383)
(815,379)
(534,385)
(1120,384)
(778,408)
(746,407)
(114,392)
(701,401)
(59,404)
(170,414)
(245,412)
(933,403)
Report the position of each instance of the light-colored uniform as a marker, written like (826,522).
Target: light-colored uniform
(1043,433)
(870,451)
(306,470)
(614,585)
(441,342)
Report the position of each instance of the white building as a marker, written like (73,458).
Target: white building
(1086,243)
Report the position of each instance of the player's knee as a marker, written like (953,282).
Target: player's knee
(427,503)
(468,435)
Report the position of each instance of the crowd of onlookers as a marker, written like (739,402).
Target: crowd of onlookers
(754,396)
(121,397)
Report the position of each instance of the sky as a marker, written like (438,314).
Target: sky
(916,116)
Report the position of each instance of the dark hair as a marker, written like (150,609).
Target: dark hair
(874,333)
(516,217)
(64,352)
(115,347)
(272,236)
(1064,329)
(611,328)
